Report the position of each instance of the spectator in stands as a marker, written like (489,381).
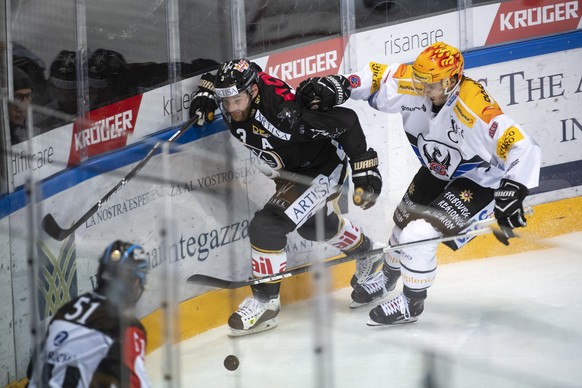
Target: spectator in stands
(17,110)
(112,79)
(35,68)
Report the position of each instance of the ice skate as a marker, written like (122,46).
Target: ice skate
(254,316)
(376,287)
(397,311)
(366,266)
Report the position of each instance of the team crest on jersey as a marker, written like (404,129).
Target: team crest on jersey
(437,162)
(270,158)
(442,159)
(355,81)
(466,196)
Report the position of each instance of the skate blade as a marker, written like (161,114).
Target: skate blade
(396,323)
(355,305)
(267,325)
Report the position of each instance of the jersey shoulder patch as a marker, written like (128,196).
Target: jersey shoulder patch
(511,136)
(478,100)
(377,70)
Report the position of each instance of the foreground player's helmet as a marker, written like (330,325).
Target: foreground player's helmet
(122,272)
(439,62)
(234,77)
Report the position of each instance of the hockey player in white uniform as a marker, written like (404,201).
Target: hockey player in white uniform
(95,340)
(475,161)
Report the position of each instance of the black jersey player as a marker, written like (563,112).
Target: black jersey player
(263,113)
(95,340)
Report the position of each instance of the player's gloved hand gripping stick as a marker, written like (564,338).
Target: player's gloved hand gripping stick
(204,102)
(477,228)
(366,178)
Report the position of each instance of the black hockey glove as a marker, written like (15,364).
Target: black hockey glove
(321,93)
(204,103)
(367,179)
(509,208)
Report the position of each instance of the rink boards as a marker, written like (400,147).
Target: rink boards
(212,309)
(213,187)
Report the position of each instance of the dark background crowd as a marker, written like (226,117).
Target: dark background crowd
(110,78)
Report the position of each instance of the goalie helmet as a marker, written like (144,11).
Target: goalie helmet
(439,62)
(234,77)
(122,272)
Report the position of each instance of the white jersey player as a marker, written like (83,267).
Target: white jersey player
(475,160)
(95,340)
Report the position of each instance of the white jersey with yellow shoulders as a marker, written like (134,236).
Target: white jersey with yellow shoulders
(470,136)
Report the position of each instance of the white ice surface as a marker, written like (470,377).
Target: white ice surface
(510,321)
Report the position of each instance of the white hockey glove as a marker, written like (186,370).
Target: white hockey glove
(204,103)
(509,207)
(321,93)
(366,178)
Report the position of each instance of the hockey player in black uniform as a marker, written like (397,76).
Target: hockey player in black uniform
(263,113)
(95,340)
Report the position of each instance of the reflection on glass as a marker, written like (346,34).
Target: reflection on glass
(377,12)
(63,87)
(110,79)
(276,24)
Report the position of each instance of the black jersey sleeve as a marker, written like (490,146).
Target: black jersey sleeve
(278,100)
(337,123)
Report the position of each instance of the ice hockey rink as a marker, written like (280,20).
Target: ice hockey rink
(507,321)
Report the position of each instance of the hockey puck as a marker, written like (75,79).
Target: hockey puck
(231,362)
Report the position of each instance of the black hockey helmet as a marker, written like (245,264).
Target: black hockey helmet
(63,71)
(121,264)
(110,77)
(63,81)
(234,77)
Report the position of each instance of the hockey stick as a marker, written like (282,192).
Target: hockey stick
(49,224)
(481,228)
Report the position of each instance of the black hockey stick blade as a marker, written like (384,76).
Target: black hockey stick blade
(50,226)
